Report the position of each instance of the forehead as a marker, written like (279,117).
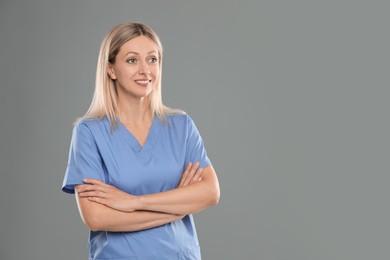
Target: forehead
(140,44)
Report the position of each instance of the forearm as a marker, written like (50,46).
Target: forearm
(135,221)
(185,200)
(98,217)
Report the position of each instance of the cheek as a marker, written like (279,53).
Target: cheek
(125,73)
(156,71)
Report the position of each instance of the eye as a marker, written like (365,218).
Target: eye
(153,60)
(131,60)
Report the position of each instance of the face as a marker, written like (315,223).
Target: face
(137,68)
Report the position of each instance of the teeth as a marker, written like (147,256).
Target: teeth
(143,81)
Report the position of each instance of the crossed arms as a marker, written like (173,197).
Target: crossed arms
(104,207)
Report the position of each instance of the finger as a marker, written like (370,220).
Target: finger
(191,174)
(98,200)
(95,182)
(197,175)
(92,194)
(90,187)
(185,174)
(193,171)
(81,187)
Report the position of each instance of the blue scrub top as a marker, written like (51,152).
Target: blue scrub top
(118,159)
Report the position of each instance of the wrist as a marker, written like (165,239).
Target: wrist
(139,203)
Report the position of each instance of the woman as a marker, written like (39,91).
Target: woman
(138,168)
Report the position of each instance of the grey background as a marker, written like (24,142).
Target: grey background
(291,98)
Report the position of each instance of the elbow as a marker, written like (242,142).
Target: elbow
(93,223)
(214,197)
(93,226)
(213,185)
(90,213)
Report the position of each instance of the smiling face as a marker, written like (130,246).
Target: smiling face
(136,69)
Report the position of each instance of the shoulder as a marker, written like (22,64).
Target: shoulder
(177,117)
(182,123)
(183,120)
(88,126)
(87,123)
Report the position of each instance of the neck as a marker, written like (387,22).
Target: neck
(135,111)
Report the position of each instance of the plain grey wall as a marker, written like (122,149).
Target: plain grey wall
(291,98)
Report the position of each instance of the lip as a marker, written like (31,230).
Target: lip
(143,82)
(143,79)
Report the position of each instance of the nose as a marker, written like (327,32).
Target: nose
(143,68)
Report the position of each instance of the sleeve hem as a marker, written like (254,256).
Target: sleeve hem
(69,187)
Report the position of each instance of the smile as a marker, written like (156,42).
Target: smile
(143,81)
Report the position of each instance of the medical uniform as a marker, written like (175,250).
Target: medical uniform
(118,159)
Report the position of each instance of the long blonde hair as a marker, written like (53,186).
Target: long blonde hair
(105,99)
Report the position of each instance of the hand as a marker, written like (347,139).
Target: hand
(100,192)
(191,175)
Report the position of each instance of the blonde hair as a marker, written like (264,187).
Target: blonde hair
(105,100)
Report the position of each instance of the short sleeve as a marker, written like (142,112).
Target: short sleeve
(196,151)
(84,159)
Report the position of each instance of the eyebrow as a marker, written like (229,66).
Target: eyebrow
(133,52)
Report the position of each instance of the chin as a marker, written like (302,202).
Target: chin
(143,95)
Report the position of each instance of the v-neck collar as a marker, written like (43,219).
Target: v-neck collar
(151,139)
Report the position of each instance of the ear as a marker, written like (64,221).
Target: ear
(111,71)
